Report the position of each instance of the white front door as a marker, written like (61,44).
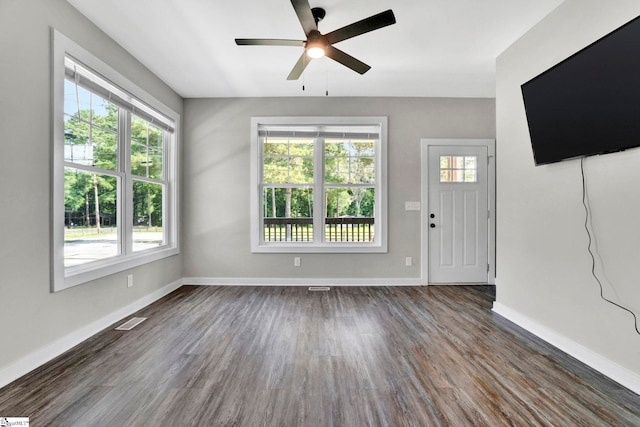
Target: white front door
(458,214)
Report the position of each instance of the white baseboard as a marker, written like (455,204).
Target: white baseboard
(39,357)
(253,281)
(590,358)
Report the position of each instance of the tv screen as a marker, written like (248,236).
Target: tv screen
(590,102)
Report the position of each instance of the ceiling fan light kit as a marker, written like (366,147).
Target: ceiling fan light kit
(318,45)
(315,52)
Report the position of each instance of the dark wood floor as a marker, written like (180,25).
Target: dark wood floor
(284,356)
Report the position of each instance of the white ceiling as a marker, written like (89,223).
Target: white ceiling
(440,48)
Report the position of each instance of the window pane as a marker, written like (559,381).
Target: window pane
(445,175)
(76,100)
(353,201)
(349,162)
(155,164)
(364,148)
(87,197)
(288,202)
(275,171)
(147,215)
(301,148)
(288,214)
(77,148)
(147,151)
(292,170)
(139,130)
(458,175)
(104,113)
(336,148)
(276,147)
(445,162)
(287,161)
(470,162)
(300,170)
(350,214)
(146,162)
(91,127)
(155,137)
(362,170)
(70,98)
(105,149)
(336,170)
(139,159)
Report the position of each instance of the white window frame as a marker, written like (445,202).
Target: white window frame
(65,277)
(379,244)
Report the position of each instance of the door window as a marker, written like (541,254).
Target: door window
(456,169)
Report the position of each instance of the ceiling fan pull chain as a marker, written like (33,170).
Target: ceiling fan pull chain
(327,83)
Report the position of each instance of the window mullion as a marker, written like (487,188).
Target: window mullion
(126,195)
(148,180)
(261,187)
(380,156)
(92,169)
(318,190)
(167,200)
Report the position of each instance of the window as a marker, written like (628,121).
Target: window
(321,184)
(114,169)
(458,169)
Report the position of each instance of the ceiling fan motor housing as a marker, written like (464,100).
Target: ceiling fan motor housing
(316,39)
(318,14)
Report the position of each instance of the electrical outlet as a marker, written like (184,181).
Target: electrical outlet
(296,261)
(130,281)
(408,261)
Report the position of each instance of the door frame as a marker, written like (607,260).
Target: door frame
(425,143)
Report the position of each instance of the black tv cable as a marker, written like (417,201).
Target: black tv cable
(593,258)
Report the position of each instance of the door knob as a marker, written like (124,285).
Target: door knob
(432,225)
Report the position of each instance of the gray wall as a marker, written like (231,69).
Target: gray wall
(544,270)
(32,317)
(216,237)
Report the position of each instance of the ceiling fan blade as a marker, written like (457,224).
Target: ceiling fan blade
(297,70)
(303,10)
(269,42)
(371,23)
(347,60)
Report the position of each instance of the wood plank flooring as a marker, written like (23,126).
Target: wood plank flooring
(353,356)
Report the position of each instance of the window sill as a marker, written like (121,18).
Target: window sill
(96,270)
(292,247)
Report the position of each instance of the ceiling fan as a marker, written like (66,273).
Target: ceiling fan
(317,44)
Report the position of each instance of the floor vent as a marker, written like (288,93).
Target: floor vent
(131,323)
(319,288)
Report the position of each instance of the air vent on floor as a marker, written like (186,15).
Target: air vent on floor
(319,288)
(131,323)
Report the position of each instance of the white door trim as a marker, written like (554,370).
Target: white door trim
(424,195)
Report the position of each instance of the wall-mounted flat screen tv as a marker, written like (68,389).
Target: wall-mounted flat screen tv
(590,102)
